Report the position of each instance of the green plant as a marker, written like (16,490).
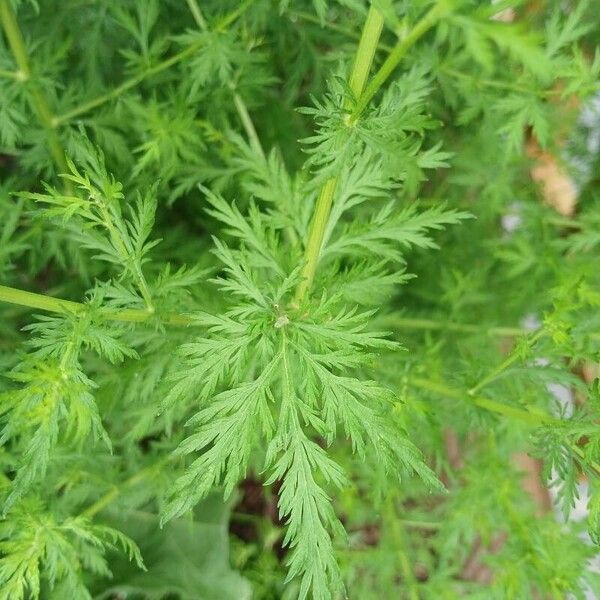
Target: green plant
(239,315)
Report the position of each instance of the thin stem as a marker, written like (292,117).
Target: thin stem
(442,389)
(507,362)
(240,105)
(123,250)
(244,115)
(31,300)
(60,306)
(246,517)
(162,66)
(16,75)
(197,14)
(227,20)
(402,550)
(134,81)
(38,100)
(502,85)
(133,315)
(397,54)
(365,52)
(127,85)
(568,222)
(400,323)
(581,454)
(105,500)
(334,27)
(433,325)
(143,285)
(315,238)
(411,523)
(533,418)
(362,64)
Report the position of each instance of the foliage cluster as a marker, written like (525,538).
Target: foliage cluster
(295,247)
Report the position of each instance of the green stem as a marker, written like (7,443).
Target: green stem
(244,115)
(400,323)
(119,243)
(402,550)
(501,85)
(334,27)
(432,525)
(362,64)
(581,454)
(500,408)
(397,54)
(315,238)
(127,85)
(433,325)
(105,500)
(227,20)
(197,14)
(58,305)
(51,304)
(567,222)
(143,285)
(16,75)
(38,100)
(162,66)
(31,300)
(240,105)
(367,46)
(533,418)
(507,362)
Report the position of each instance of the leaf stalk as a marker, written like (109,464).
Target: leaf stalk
(533,418)
(125,86)
(507,362)
(358,77)
(39,102)
(137,79)
(238,101)
(133,315)
(60,306)
(397,54)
